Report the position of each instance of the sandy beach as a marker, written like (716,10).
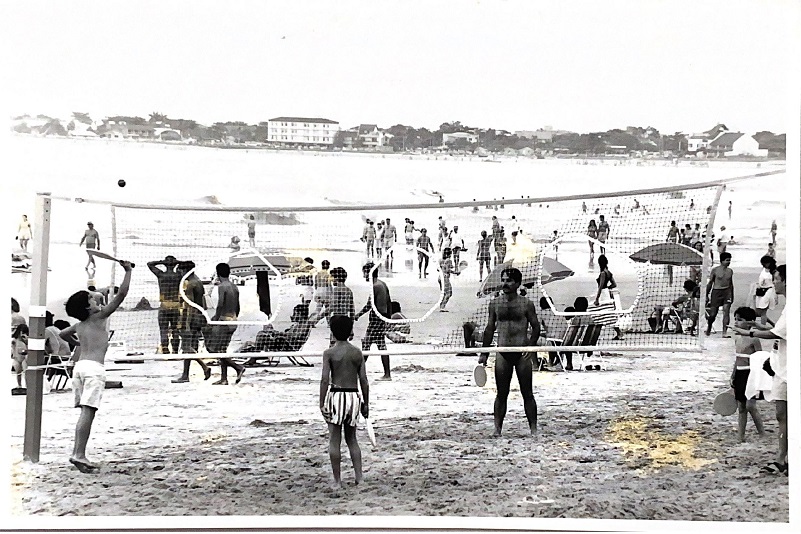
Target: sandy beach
(638,440)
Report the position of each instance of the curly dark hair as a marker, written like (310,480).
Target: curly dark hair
(77,305)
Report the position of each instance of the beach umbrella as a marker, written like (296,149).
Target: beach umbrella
(552,271)
(668,254)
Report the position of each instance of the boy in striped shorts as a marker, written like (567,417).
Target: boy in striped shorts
(340,402)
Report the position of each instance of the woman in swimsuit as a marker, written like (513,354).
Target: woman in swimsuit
(24,233)
(606,280)
(592,233)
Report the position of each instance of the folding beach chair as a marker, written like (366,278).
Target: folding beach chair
(573,333)
(58,371)
(591,336)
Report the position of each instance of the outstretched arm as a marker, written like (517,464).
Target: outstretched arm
(120,296)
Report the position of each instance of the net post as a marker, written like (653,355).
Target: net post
(706,264)
(113,249)
(34,379)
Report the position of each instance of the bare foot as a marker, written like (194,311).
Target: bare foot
(180,380)
(220,383)
(385,377)
(83,465)
(336,485)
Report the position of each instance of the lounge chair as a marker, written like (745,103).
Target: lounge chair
(58,370)
(572,334)
(264,344)
(591,336)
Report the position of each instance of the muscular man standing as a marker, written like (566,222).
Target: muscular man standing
(377,327)
(512,314)
(92,239)
(720,292)
(170,309)
(220,336)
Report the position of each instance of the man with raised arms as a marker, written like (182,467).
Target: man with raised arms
(169,314)
(720,292)
(512,314)
(89,373)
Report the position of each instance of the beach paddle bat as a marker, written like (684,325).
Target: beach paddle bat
(480,375)
(98,254)
(725,403)
(370,431)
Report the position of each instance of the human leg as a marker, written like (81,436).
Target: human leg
(781,417)
(725,316)
(82,430)
(469,327)
(742,419)
(334,444)
(164,329)
(503,379)
(751,406)
(355,451)
(710,319)
(524,369)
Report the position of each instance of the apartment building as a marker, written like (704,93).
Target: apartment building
(301,131)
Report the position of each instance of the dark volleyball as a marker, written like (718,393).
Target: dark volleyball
(121,183)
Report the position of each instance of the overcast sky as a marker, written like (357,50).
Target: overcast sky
(583,66)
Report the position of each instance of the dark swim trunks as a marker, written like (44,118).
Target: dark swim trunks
(513,357)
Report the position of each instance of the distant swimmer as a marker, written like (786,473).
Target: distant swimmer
(368,236)
(92,239)
(24,233)
(408,231)
(773,228)
(729,210)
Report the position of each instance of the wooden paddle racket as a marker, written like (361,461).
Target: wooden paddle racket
(480,375)
(370,431)
(96,253)
(725,403)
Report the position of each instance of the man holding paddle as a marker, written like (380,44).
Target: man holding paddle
(512,315)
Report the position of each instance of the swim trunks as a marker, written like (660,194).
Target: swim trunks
(513,357)
(376,330)
(88,383)
(342,406)
(740,381)
(718,297)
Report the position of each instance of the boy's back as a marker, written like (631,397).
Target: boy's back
(346,362)
(341,301)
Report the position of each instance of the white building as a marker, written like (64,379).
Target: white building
(302,131)
(448,138)
(746,145)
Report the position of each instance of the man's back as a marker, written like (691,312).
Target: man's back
(228,304)
(194,290)
(383,302)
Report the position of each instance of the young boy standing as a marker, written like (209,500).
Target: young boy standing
(340,402)
(744,318)
(89,374)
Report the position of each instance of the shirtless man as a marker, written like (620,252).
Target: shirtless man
(603,232)
(169,314)
(192,321)
(368,236)
(483,254)
(341,299)
(377,327)
(443,232)
(673,233)
(423,243)
(408,231)
(390,238)
(220,335)
(720,292)
(512,314)
(89,374)
(92,239)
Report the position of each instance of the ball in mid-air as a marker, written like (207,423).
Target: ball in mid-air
(121,183)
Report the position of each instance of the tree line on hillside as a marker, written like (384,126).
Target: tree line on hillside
(408,138)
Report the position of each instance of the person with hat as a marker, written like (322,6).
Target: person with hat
(92,240)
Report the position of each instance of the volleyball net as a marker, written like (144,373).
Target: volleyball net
(276,260)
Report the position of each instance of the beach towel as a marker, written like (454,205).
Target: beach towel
(758,379)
